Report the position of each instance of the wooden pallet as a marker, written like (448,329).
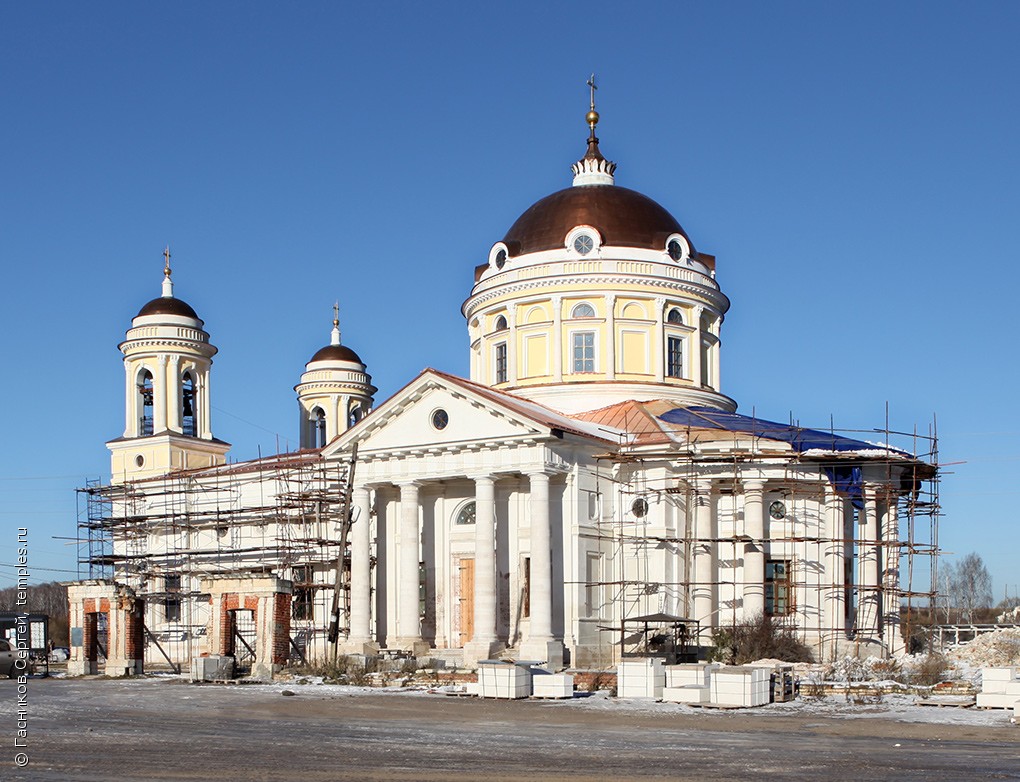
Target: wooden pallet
(946,704)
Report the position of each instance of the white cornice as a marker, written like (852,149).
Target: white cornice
(711,296)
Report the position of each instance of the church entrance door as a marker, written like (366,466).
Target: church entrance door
(467,599)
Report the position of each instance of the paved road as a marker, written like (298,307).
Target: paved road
(88,730)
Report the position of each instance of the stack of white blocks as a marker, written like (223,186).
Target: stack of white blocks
(644,678)
(740,685)
(688,683)
(497,679)
(1000,689)
(551,685)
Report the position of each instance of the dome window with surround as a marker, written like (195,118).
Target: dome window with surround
(583,244)
(678,249)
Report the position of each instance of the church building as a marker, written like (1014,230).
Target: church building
(590,471)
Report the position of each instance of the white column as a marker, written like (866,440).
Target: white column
(203,393)
(132,410)
(834,604)
(159,397)
(891,575)
(659,340)
(868,594)
(343,411)
(540,644)
(408,620)
(511,345)
(611,336)
(173,394)
(702,584)
(557,338)
(754,550)
(483,642)
(694,348)
(361,577)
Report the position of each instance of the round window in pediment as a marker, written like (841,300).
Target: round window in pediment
(440,419)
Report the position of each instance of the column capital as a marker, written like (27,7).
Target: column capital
(700,485)
(408,483)
(543,471)
(481,477)
(753,485)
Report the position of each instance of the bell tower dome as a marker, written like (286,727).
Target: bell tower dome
(335,391)
(167,363)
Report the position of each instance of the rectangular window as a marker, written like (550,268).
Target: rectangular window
(501,373)
(675,357)
(593,585)
(584,351)
(172,584)
(778,588)
(301,603)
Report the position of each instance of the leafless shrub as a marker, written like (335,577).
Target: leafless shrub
(758,638)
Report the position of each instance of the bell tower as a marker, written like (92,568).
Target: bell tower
(335,391)
(167,363)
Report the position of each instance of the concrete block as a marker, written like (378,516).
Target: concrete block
(552,685)
(739,686)
(993,700)
(689,674)
(1006,674)
(504,680)
(640,678)
(690,693)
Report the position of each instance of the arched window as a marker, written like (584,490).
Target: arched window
(466,515)
(355,415)
(675,316)
(319,430)
(583,310)
(188,407)
(501,324)
(145,407)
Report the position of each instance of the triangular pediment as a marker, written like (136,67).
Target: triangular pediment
(413,420)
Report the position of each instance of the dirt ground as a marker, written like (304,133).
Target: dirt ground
(168,730)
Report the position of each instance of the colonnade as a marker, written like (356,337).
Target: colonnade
(539,644)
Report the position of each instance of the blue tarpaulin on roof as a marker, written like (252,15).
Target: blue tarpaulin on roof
(846,479)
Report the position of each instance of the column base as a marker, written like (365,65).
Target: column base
(549,652)
(122,668)
(481,650)
(416,647)
(363,648)
(82,668)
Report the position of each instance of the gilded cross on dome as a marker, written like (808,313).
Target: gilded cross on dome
(166,260)
(593,116)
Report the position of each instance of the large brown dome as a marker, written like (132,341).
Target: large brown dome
(625,218)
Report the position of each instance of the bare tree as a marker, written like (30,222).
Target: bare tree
(970,586)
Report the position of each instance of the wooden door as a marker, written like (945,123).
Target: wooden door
(467,599)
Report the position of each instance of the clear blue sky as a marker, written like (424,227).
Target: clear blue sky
(854,167)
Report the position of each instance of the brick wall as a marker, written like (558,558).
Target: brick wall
(281,628)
